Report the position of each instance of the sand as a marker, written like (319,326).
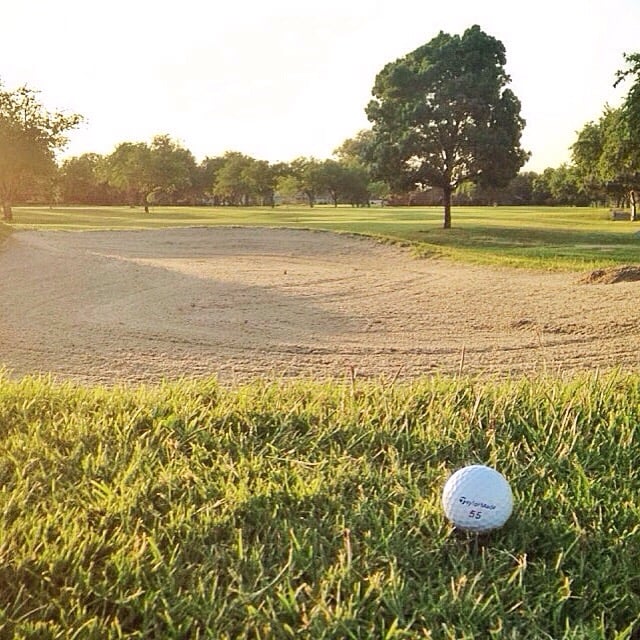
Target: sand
(240,303)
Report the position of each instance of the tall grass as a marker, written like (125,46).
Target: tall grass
(308,510)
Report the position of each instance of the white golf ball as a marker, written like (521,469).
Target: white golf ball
(477,499)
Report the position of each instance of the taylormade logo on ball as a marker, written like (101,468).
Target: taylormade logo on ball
(473,503)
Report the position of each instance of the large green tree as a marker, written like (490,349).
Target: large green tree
(443,115)
(29,137)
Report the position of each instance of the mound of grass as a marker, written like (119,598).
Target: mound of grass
(308,510)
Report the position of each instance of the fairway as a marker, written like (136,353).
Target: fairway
(554,238)
(240,303)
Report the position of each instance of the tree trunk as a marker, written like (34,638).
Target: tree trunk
(7,213)
(634,205)
(446,196)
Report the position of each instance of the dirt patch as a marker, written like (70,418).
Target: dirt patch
(612,275)
(240,303)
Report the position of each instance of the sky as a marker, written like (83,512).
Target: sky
(280,79)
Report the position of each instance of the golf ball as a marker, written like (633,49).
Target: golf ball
(477,499)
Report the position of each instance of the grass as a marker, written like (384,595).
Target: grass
(308,510)
(538,237)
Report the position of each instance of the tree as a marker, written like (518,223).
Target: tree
(29,138)
(356,186)
(442,116)
(333,179)
(129,168)
(344,182)
(607,157)
(355,155)
(81,181)
(172,171)
(541,188)
(231,184)
(379,190)
(631,106)
(162,172)
(630,128)
(586,152)
(564,184)
(206,175)
(288,188)
(619,163)
(520,190)
(308,173)
(259,178)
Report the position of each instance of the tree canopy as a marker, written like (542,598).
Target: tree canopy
(443,115)
(150,174)
(606,153)
(29,137)
(631,105)
(629,130)
(241,177)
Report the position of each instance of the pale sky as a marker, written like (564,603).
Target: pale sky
(279,79)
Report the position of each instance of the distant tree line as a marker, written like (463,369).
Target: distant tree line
(445,129)
(165,173)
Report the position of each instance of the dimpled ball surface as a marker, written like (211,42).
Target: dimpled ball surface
(477,498)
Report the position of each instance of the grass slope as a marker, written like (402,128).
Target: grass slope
(307,510)
(541,237)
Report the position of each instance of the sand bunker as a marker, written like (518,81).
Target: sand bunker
(239,303)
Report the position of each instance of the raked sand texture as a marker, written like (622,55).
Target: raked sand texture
(238,303)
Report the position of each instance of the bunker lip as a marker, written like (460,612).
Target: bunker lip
(241,303)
